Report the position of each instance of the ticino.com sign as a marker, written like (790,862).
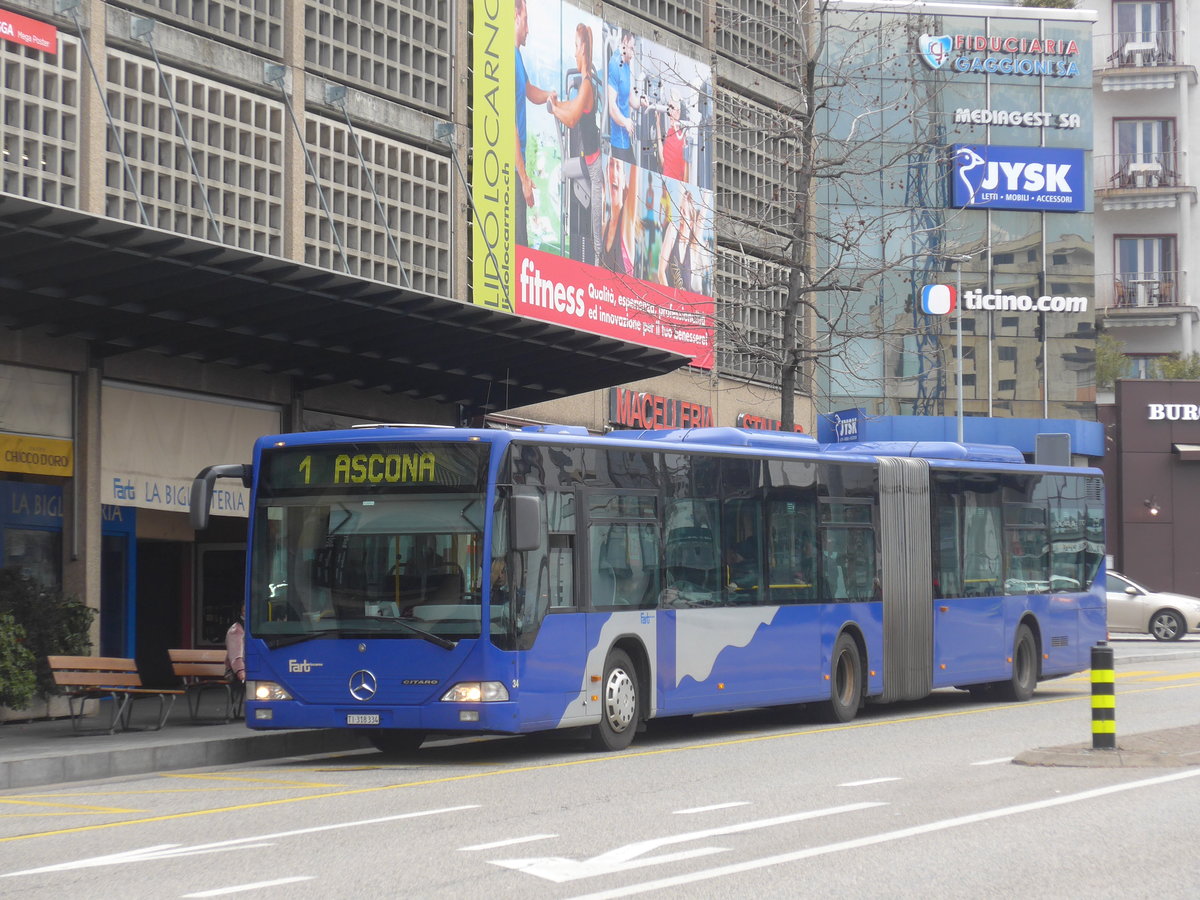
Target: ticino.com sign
(942,299)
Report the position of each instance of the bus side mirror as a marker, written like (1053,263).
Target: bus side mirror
(525,513)
(202,489)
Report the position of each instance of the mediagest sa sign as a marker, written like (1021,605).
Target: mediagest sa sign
(987,176)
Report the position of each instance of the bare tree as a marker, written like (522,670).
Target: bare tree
(855,221)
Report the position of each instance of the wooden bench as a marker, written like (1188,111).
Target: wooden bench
(204,670)
(106,677)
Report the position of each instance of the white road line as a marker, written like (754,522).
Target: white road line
(700,809)
(868,781)
(992,762)
(166,851)
(237,889)
(750,865)
(508,843)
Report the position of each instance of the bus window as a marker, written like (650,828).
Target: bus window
(792,529)
(742,572)
(1068,518)
(624,565)
(1025,539)
(849,564)
(848,550)
(967,545)
(692,559)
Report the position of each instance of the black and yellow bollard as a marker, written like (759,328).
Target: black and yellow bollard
(1104,699)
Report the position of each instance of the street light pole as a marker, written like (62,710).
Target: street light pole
(958,261)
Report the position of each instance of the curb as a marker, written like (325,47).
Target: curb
(44,770)
(1170,748)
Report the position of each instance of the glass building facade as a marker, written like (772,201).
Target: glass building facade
(903,93)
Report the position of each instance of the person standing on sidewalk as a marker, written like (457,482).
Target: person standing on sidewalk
(235,661)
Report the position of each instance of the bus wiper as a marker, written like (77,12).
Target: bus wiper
(420,632)
(275,641)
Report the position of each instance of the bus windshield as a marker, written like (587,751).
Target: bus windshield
(377,558)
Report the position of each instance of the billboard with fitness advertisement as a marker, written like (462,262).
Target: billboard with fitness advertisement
(592,177)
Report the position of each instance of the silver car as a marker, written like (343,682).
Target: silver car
(1133,609)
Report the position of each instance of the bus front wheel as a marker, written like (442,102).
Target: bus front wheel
(620,704)
(846,682)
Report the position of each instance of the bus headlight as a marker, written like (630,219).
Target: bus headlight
(476,692)
(266,690)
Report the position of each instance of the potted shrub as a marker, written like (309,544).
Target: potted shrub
(17,679)
(52,622)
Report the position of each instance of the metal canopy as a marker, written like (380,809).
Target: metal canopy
(123,288)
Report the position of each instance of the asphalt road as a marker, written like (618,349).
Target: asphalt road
(916,799)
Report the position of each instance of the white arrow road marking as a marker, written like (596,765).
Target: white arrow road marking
(857,843)
(622,859)
(168,851)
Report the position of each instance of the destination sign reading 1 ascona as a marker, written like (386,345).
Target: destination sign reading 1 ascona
(374,466)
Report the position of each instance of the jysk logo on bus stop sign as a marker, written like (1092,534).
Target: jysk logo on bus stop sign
(1046,178)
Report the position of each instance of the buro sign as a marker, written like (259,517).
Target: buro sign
(986,176)
(1173,412)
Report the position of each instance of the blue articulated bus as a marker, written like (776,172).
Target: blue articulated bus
(412,580)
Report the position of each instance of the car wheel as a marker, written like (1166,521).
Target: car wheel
(1167,625)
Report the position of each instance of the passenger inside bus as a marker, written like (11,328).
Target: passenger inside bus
(691,571)
(741,566)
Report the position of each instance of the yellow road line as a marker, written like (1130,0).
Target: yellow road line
(1087,676)
(274,781)
(196,790)
(23,801)
(545,767)
(4,817)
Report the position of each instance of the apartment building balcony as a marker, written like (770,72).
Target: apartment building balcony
(1142,290)
(1145,180)
(1127,299)
(1143,60)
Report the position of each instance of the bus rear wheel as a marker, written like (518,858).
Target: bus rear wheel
(1023,681)
(846,682)
(396,740)
(620,704)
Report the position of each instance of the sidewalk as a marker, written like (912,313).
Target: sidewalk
(50,751)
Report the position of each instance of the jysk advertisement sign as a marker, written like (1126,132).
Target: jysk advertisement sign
(996,177)
(592,177)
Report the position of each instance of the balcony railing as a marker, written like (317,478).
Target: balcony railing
(1139,290)
(1135,49)
(1132,171)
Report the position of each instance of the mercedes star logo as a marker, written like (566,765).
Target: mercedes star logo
(363,685)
